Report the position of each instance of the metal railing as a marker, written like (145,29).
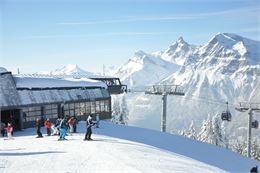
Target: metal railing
(165,89)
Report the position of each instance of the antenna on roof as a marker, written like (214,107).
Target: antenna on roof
(104,70)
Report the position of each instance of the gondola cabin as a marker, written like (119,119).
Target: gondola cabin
(226,116)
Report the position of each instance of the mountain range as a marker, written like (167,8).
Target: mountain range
(225,69)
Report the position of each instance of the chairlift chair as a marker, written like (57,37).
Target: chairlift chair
(226,115)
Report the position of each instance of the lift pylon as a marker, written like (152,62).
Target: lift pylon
(164,90)
(250,108)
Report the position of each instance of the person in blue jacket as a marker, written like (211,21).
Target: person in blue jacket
(63,128)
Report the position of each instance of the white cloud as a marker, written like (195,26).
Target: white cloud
(246,11)
(93,35)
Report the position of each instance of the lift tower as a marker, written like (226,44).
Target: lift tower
(250,107)
(164,90)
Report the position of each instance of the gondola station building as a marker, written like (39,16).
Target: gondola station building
(24,99)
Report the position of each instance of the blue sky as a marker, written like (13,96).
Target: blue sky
(37,35)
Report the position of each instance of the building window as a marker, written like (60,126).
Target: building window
(97,106)
(51,111)
(88,107)
(31,113)
(69,109)
(82,109)
(102,106)
(93,107)
(107,106)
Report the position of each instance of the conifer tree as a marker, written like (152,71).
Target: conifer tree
(115,110)
(255,150)
(206,132)
(217,136)
(192,131)
(123,118)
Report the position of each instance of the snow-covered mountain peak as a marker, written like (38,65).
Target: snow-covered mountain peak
(231,47)
(70,69)
(142,58)
(219,40)
(139,54)
(180,40)
(178,52)
(144,69)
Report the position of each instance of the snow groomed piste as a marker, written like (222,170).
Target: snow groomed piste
(116,148)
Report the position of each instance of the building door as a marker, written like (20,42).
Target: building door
(11,116)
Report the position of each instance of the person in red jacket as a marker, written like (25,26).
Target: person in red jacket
(9,130)
(47,125)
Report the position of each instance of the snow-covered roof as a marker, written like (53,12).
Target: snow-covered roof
(21,91)
(8,93)
(32,97)
(34,82)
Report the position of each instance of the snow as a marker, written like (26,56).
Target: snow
(144,69)
(116,149)
(71,69)
(29,97)
(179,52)
(34,82)
(227,68)
(68,71)
(8,93)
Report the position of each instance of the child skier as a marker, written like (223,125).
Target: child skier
(9,130)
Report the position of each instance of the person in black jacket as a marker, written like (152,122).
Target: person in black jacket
(38,128)
(89,124)
(75,124)
(2,127)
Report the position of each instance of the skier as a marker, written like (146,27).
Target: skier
(47,125)
(63,129)
(57,125)
(9,130)
(2,128)
(71,123)
(12,122)
(89,124)
(75,124)
(38,128)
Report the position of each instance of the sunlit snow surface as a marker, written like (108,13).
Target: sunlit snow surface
(156,152)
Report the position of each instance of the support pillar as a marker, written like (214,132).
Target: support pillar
(164,110)
(21,118)
(250,114)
